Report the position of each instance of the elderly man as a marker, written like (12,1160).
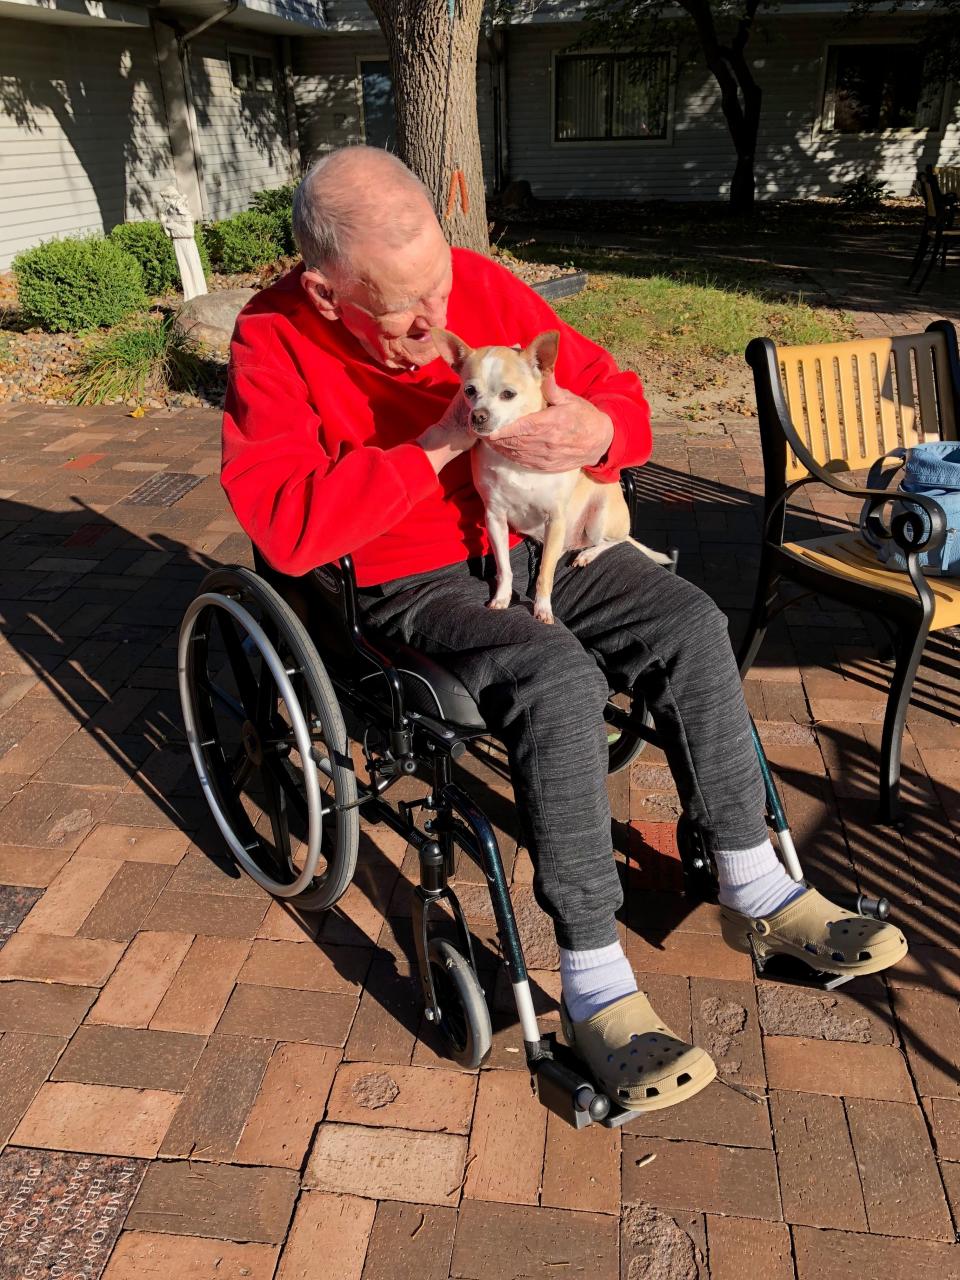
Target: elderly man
(344,433)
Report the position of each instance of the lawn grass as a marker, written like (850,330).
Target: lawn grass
(635,305)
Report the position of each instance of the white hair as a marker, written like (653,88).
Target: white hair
(351,192)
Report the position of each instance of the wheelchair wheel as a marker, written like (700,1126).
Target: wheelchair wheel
(464,1022)
(267,739)
(623,745)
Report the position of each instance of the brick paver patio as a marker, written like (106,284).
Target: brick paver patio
(194,1082)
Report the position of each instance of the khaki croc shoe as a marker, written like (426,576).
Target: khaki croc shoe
(827,938)
(637,1061)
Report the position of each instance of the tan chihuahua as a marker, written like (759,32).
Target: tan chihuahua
(564,511)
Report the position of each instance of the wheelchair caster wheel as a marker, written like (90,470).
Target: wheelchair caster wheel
(699,873)
(461,1017)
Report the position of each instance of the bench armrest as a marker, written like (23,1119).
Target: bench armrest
(904,529)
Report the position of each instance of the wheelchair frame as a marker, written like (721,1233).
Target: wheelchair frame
(398,742)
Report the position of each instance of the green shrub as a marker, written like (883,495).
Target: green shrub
(147,356)
(153,249)
(862,192)
(277,203)
(78,284)
(244,242)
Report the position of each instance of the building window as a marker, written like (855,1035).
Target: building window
(379,110)
(251,72)
(873,87)
(604,97)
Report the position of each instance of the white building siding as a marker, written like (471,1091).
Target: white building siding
(243,140)
(794,159)
(328,98)
(83,140)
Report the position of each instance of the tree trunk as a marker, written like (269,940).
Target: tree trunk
(740,95)
(437,132)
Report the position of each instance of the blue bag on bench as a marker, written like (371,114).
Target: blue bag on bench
(932,469)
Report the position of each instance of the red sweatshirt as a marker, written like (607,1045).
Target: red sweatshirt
(319,458)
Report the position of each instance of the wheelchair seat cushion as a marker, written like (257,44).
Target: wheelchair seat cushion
(429,688)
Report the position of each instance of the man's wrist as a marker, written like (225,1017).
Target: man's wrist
(604,454)
(435,444)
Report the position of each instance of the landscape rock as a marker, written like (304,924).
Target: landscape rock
(209,318)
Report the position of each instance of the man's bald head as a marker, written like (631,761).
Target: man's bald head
(357,193)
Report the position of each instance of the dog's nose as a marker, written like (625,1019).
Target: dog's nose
(479,417)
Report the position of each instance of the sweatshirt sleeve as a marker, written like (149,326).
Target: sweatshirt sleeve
(586,369)
(299,505)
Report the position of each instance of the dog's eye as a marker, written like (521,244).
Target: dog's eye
(507,394)
(469,390)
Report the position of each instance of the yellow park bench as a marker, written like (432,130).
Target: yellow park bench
(836,408)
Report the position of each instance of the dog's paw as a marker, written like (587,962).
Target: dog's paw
(542,611)
(499,602)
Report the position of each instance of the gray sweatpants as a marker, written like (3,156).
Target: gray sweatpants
(622,622)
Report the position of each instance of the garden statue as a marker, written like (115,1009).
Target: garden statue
(177,221)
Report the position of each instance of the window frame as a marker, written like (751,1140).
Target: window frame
(568,144)
(822,130)
(246,52)
(360,59)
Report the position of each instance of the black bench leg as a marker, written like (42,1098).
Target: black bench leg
(934,254)
(919,255)
(909,651)
(759,617)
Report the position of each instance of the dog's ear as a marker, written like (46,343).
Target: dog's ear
(542,351)
(451,348)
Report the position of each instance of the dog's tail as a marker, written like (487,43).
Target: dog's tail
(658,557)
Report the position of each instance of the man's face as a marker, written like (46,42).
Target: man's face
(389,299)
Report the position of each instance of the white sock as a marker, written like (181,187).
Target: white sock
(755,881)
(593,979)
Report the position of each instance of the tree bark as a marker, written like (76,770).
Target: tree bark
(437,130)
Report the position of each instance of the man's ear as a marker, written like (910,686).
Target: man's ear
(319,290)
(451,348)
(542,351)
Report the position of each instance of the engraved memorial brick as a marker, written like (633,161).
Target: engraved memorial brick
(15,903)
(162,490)
(61,1214)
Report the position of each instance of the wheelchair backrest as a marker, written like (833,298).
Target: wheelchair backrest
(323,600)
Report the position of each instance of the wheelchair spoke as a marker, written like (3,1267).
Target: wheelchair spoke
(239,664)
(217,694)
(276,807)
(239,767)
(281,776)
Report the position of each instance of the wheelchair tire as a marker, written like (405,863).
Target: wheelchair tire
(282,723)
(623,747)
(464,1022)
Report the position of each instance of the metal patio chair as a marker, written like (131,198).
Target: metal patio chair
(834,408)
(938,233)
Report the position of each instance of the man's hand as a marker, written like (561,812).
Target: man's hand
(568,434)
(449,437)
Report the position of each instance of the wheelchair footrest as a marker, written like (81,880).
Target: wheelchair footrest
(564,1087)
(788,969)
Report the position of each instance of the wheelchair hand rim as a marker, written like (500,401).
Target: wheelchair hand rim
(301,734)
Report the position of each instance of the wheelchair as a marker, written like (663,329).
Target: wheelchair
(270,723)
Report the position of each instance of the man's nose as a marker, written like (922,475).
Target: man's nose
(434,313)
(479,417)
